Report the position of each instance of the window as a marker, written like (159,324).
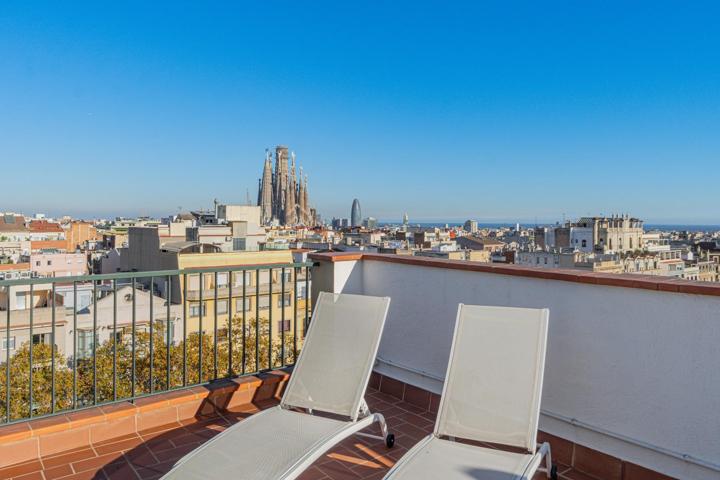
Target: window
(49,262)
(37,263)
(238,279)
(222,280)
(264,302)
(239,304)
(584,243)
(193,282)
(239,244)
(283,300)
(195,309)
(21,302)
(283,326)
(39,338)
(222,306)
(5,343)
(302,291)
(85,343)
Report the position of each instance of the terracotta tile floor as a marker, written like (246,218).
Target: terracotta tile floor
(152,453)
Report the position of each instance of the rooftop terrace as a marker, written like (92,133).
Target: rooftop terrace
(151,452)
(631,391)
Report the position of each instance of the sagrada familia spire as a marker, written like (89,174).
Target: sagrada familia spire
(283,196)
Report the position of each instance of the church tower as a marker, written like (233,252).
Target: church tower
(266,192)
(280,183)
(290,196)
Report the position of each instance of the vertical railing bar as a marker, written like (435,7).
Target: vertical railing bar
(200,330)
(75,363)
(7,359)
(114,340)
(132,336)
(244,319)
(30,349)
(168,289)
(215,326)
(184,314)
(270,309)
(307,298)
(295,314)
(229,323)
(52,352)
(257,320)
(282,319)
(94,346)
(152,343)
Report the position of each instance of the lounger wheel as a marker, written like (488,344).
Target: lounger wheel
(390,440)
(553,472)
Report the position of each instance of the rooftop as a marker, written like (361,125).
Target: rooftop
(45,226)
(627,393)
(12,223)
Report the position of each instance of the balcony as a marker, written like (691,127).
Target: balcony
(630,390)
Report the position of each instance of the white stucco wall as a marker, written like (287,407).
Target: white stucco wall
(633,366)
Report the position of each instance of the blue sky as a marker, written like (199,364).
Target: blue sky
(488,110)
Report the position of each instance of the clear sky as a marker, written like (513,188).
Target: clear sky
(446,110)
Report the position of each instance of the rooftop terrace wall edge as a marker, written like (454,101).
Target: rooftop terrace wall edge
(645,282)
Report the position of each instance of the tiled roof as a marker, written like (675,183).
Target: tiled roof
(5,267)
(46,227)
(12,223)
(48,245)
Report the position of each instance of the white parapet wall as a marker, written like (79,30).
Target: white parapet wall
(630,372)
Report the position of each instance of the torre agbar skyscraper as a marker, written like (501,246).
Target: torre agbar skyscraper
(282,193)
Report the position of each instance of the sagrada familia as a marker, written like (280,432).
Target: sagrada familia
(283,196)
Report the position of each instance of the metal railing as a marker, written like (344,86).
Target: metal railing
(137,334)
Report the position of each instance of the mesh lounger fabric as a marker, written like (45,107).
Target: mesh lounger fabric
(263,446)
(491,394)
(442,459)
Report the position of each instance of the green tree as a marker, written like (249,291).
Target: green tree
(110,374)
(20,371)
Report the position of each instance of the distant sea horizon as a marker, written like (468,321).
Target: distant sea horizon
(648,226)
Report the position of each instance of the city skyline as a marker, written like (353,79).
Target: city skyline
(611,110)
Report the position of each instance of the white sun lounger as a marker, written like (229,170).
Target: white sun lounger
(328,384)
(492,395)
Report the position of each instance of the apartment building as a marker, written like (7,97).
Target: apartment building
(487,244)
(615,234)
(78,234)
(45,235)
(52,264)
(14,237)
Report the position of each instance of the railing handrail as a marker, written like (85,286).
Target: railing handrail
(149,273)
